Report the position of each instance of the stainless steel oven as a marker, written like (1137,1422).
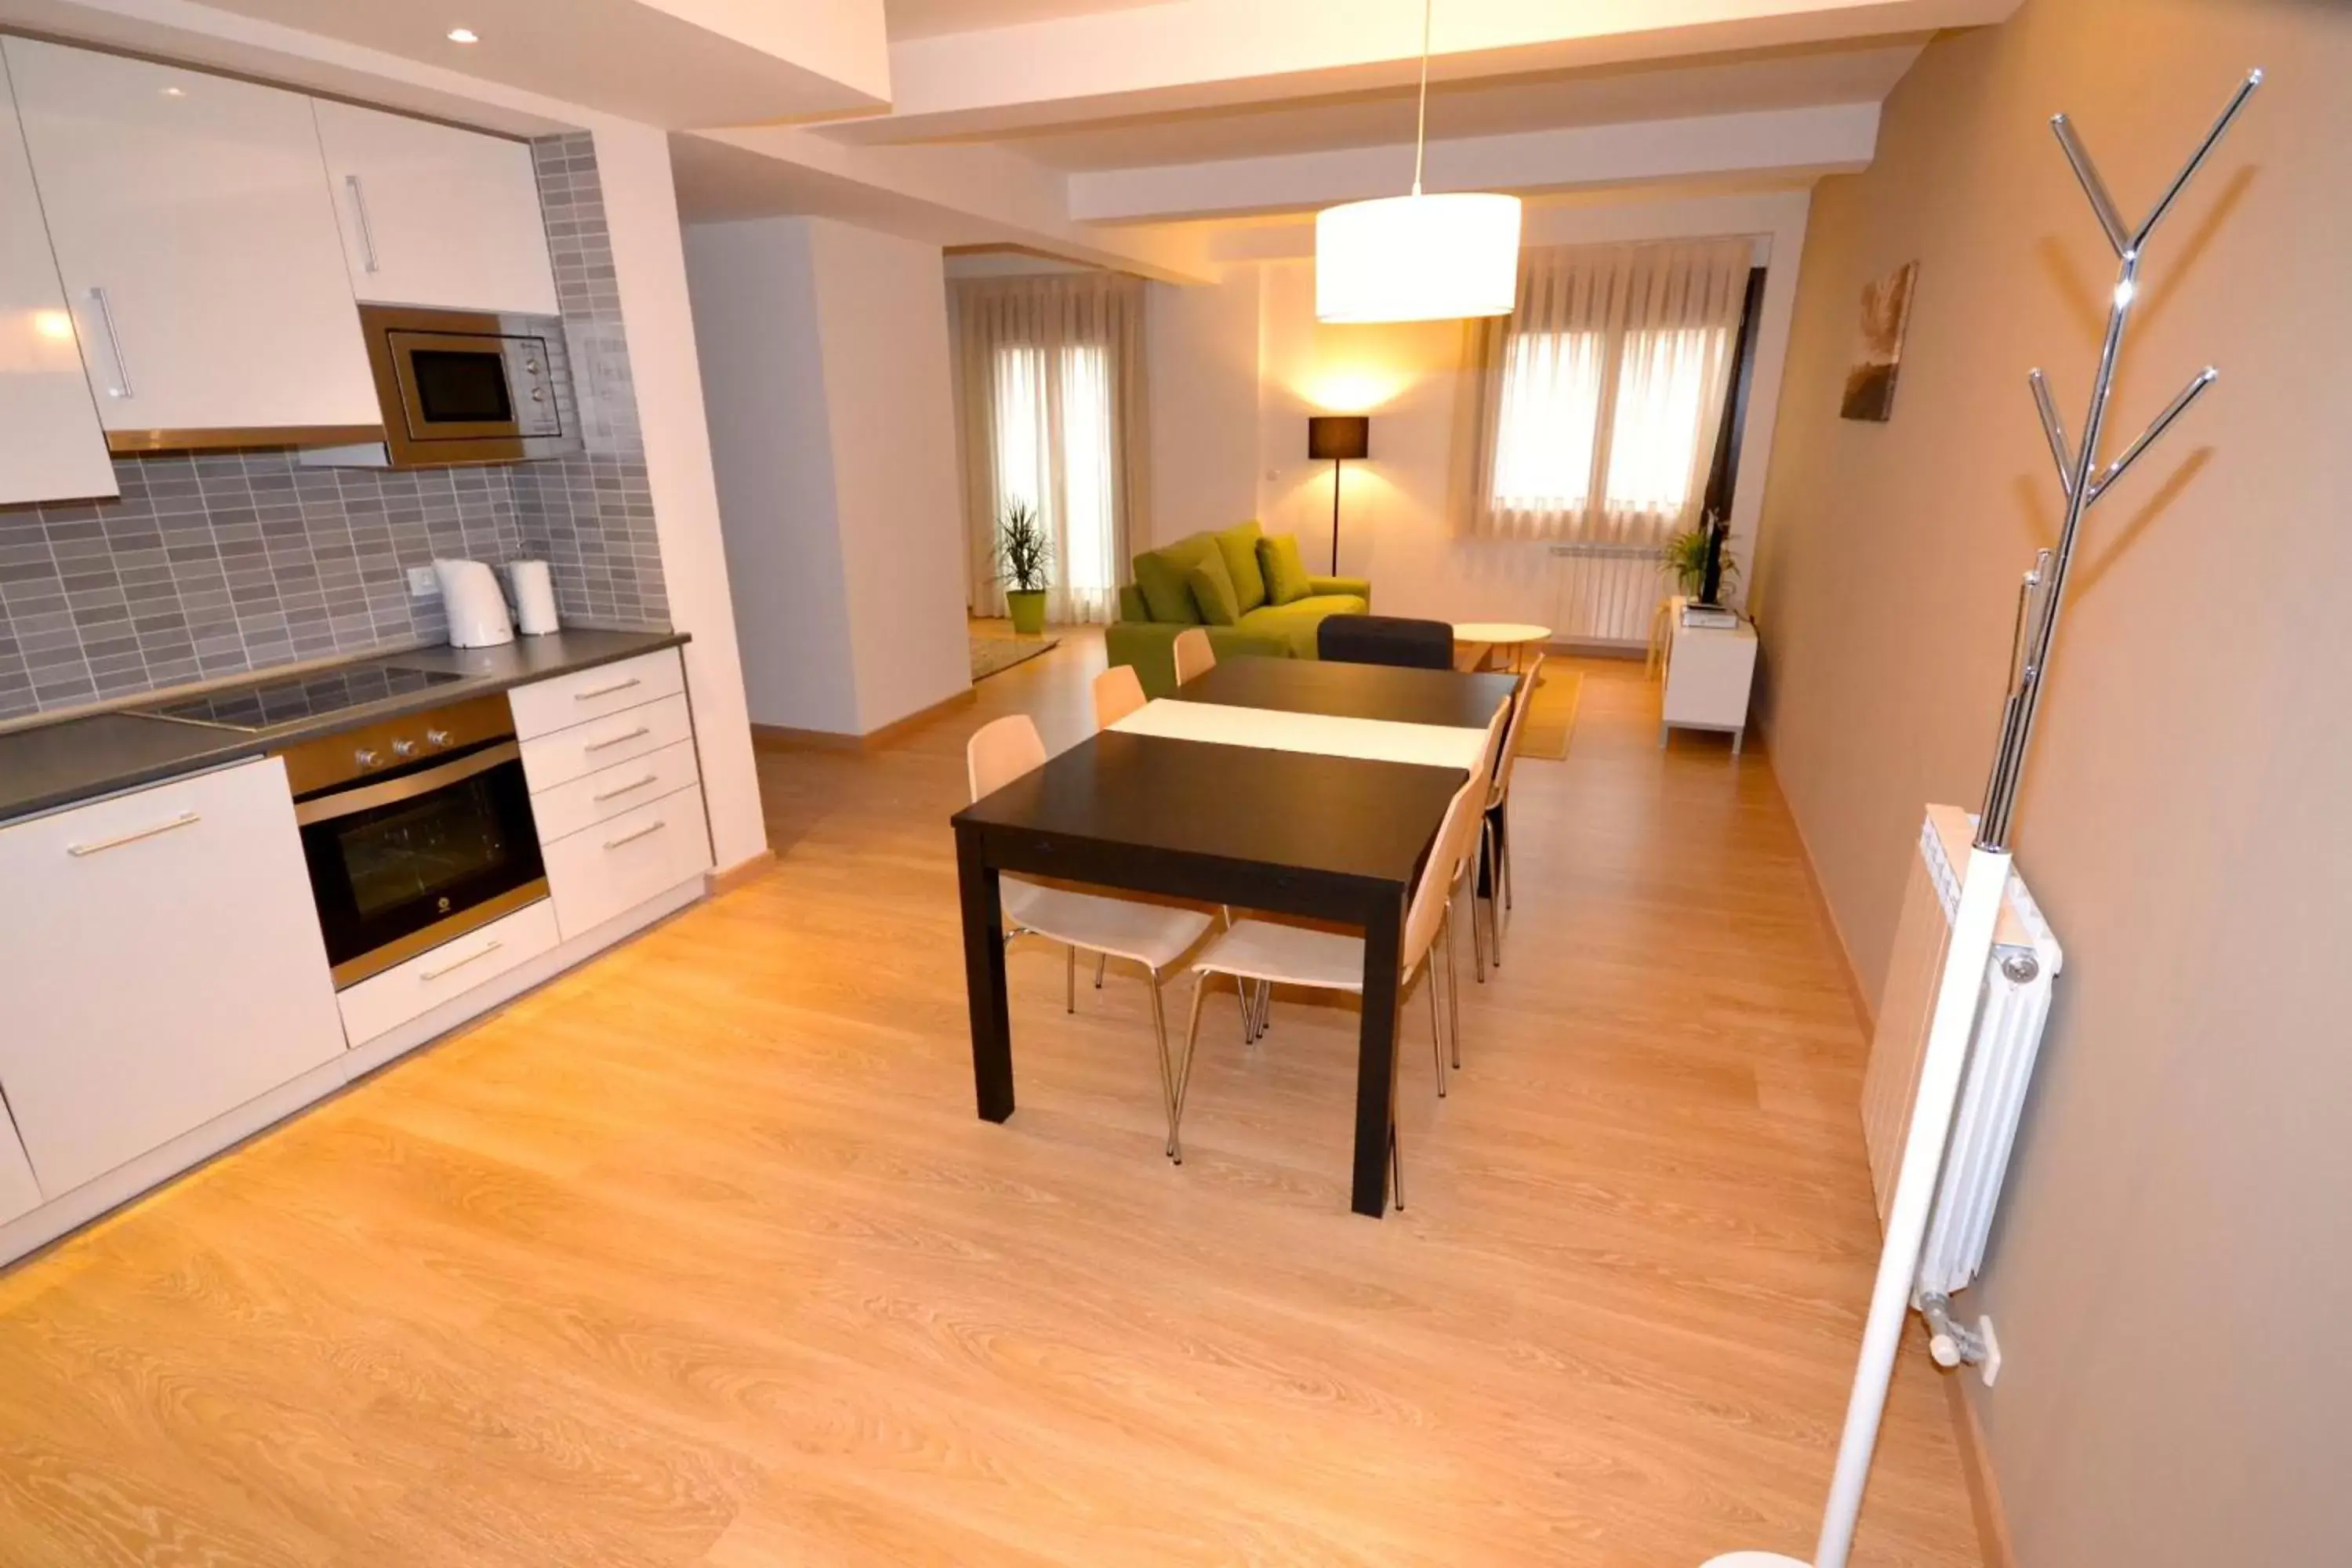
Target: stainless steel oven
(463,387)
(417,830)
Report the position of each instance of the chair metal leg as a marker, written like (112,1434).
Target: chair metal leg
(1167,1072)
(1070,982)
(1396,1166)
(1495,896)
(1436,1027)
(1453,988)
(1184,1073)
(1102,961)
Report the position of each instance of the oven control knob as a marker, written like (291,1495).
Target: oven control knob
(367,757)
(438,737)
(404,747)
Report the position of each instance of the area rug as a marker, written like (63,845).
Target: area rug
(1551,714)
(994,656)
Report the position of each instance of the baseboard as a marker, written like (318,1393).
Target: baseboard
(1984,1488)
(1865,1010)
(740,874)
(783,738)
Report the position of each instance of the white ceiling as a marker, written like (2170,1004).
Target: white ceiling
(931,18)
(1784,79)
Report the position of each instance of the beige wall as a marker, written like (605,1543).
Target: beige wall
(2170,1278)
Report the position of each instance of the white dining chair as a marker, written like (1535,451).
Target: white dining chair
(1494,830)
(1464,870)
(1117,693)
(1263,952)
(1194,654)
(1156,936)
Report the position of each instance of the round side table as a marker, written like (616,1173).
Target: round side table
(1515,636)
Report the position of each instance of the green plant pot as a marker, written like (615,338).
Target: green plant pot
(1027,609)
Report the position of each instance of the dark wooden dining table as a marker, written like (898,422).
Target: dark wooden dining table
(1334,838)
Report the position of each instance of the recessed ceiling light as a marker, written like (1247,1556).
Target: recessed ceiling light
(464,36)
(175,93)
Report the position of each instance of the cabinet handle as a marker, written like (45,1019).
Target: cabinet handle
(600,745)
(367,230)
(625,789)
(185,819)
(122,387)
(633,837)
(474,957)
(613,689)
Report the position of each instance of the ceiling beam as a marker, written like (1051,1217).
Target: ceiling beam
(1189,55)
(965,195)
(1800,143)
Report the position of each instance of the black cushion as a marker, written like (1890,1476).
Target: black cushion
(1386,639)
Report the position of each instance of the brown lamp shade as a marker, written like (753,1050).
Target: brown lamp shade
(1332,438)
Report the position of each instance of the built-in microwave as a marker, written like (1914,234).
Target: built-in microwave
(464,386)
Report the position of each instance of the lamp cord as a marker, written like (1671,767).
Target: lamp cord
(1420,126)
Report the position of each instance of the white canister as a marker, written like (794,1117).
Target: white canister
(534,596)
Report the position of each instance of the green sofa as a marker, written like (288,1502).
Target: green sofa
(1156,605)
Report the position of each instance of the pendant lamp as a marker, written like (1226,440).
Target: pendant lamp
(1418,257)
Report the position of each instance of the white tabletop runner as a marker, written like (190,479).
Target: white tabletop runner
(1371,739)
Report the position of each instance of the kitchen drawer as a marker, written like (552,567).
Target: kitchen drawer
(622,862)
(583,749)
(608,791)
(546,706)
(388,1000)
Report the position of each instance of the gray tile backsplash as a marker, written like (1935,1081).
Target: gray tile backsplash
(218,563)
(592,517)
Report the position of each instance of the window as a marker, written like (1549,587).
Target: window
(1593,413)
(1049,374)
(1054,455)
(1550,419)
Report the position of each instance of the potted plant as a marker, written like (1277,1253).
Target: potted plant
(1021,550)
(1690,553)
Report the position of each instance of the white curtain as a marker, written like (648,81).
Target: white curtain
(1051,413)
(1589,412)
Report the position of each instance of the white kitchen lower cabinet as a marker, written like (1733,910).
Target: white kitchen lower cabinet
(556,759)
(161,963)
(625,860)
(382,1002)
(51,445)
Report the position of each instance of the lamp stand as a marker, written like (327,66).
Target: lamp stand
(1335,515)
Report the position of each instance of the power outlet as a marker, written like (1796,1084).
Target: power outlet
(423,583)
(1988,1368)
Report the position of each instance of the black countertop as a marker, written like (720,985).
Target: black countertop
(50,765)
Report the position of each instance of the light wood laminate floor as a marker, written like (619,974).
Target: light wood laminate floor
(699,1255)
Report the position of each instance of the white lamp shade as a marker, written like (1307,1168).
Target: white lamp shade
(1417,259)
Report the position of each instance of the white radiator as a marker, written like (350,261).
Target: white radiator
(1607,592)
(2014,1006)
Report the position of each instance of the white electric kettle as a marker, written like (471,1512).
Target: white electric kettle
(476,609)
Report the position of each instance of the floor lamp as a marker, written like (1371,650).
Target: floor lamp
(2084,481)
(1337,439)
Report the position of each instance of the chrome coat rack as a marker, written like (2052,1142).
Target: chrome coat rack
(1985,883)
(2080,478)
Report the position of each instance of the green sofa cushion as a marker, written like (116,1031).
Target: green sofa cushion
(1297,622)
(1161,575)
(1238,545)
(1213,592)
(1285,573)
(1132,606)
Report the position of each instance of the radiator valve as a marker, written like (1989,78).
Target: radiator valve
(1951,1343)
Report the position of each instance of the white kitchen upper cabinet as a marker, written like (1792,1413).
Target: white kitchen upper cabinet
(194,228)
(51,446)
(436,216)
(161,963)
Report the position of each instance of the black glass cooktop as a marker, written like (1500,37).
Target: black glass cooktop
(306,697)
